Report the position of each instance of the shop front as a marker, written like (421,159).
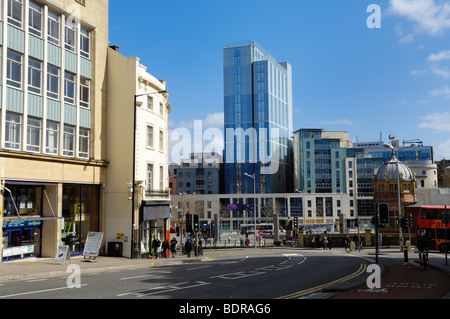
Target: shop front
(23,218)
(80,214)
(154,223)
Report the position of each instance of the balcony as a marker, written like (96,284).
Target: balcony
(157,193)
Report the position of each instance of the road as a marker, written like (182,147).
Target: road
(255,275)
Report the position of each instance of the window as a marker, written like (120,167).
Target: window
(161,109)
(34,76)
(33,134)
(35,19)
(149,176)
(85,92)
(69,36)
(15,12)
(84,143)
(53,27)
(149,136)
(150,103)
(69,140)
(85,43)
(52,137)
(53,82)
(69,87)
(14,69)
(161,177)
(161,141)
(13,128)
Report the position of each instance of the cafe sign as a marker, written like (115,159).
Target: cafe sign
(156,212)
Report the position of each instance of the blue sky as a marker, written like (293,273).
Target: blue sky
(346,76)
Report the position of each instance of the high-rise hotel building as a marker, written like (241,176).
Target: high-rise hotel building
(52,124)
(257,98)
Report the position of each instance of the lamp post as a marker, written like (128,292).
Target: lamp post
(394,149)
(254,201)
(134,247)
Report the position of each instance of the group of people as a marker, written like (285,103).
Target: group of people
(357,243)
(318,241)
(165,246)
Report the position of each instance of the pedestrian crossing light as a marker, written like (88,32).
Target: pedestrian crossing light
(196,222)
(383,210)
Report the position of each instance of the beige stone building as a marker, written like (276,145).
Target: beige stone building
(52,124)
(137,138)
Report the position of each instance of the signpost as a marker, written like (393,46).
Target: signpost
(92,246)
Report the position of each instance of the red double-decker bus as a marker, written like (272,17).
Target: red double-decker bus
(431,220)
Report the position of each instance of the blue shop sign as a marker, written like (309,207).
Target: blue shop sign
(22,223)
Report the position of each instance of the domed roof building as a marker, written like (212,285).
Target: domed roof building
(386,182)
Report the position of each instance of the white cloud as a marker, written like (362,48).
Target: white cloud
(445,92)
(432,17)
(443,55)
(443,150)
(443,72)
(438,122)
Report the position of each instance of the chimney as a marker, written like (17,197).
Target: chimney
(114,47)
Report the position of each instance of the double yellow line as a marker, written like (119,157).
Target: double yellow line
(360,271)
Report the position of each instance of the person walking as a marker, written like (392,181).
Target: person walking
(347,244)
(188,246)
(165,247)
(325,242)
(173,247)
(155,245)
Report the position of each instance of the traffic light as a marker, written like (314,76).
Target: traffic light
(383,210)
(196,222)
(188,223)
(295,222)
(411,220)
(402,222)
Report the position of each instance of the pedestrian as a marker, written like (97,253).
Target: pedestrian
(229,239)
(329,243)
(188,246)
(313,242)
(155,245)
(347,243)
(356,240)
(173,247)
(361,240)
(165,247)
(325,242)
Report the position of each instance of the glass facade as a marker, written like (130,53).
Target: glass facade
(81,215)
(256,108)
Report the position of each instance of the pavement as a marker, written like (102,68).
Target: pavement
(398,280)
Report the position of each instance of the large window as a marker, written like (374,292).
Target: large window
(69,87)
(70,36)
(85,92)
(149,177)
(15,8)
(34,76)
(13,130)
(84,143)
(53,27)
(69,140)
(33,134)
(149,136)
(52,82)
(35,19)
(85,44)
(52,137)
(14,69)
(81,215)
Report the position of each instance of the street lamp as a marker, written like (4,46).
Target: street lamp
(133,183)
(398,188)
(254,201)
